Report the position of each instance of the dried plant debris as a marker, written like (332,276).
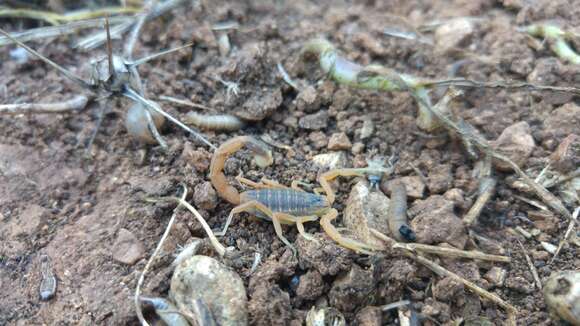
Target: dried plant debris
(557,40)
(118,76)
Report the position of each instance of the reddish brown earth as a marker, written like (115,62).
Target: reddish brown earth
(88,214)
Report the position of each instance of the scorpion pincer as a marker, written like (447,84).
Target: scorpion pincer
(276,202)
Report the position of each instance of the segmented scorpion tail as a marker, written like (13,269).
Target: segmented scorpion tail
(262,157)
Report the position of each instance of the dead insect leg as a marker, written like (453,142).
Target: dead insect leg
(326,223)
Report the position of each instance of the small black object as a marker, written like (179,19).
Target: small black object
(407,233)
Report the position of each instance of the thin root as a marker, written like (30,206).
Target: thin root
(150,261)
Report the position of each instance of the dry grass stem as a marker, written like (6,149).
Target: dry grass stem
(531,265)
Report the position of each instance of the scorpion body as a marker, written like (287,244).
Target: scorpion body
(276,202)
(288,201)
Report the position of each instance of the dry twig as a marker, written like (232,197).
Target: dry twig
(531,265)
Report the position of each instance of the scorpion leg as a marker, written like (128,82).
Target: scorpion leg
(299,221)
(276,218)
(296,185)
(326,223)
(328,176)
(250,183)
(274,184)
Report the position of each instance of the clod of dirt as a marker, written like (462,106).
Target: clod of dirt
(318,139)
(323,255)
(200,158)
(562,295)
(440,179)
(270,305)
(310,286)
(413,184)
(457,197)
(205,196)
(435,309)
(222,290)
(308,100)
(393,275)
(352,289)
(127,248)
(153,186)
(496,276)
(358,148)
(516,142)
(519,284)
(447,289)
(324,316)
(366,209)
(315,121)
(566,157)
(29,222)
(271,271)
(339,142)
(454,33)
(562,122)
(367,129)
(260,105)
(369,316)
(334,160)
(544,221)
(435,222)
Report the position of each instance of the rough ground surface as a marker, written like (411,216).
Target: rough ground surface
(81,211)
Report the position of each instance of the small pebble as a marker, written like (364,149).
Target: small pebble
(19,55)
(358,148)
(517,143)
(369,316)
(221,289)
(496,276)
(454,33)
(205,196)
(333,160)
(366,209)
(413,184)
(314,121)
(308,100)
(325,316)
(368,128)
(562,295)
(519,284)
(127,249)
(318,139)
(338,142)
